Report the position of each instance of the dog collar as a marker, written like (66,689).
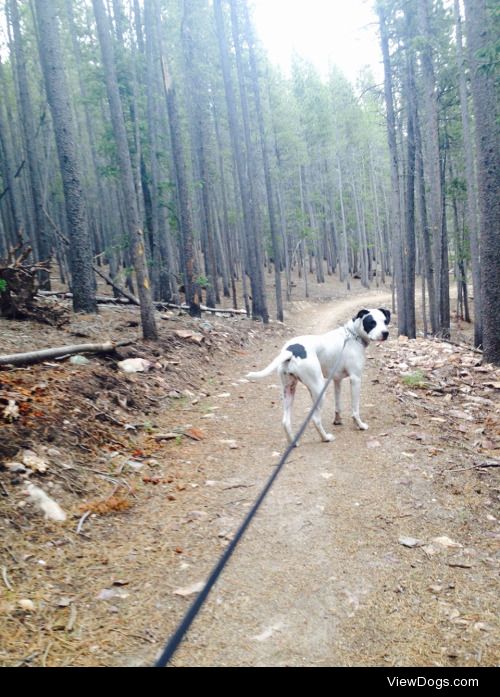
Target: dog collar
(356,337)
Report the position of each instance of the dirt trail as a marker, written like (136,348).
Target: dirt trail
(320,578)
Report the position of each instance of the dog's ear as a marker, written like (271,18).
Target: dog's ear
(386,313)
(360,314)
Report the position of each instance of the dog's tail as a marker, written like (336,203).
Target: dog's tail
(285,355)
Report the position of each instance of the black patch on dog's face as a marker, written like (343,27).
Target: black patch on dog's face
(386,313)
(360,314)
(298,350)
(369,323)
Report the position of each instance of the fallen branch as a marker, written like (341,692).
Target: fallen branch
(81,522)
(480,465)
(104,299)
(129,299)
(6,578)
(203,308)
(36,356)
(111,283)
(458,345)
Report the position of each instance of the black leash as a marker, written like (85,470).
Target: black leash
(196,605)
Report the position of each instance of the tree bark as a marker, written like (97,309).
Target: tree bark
(432,166)
(259,307)
(136,235)
(28,127)
(471,209)
(80,249)
(394,159)
(480,25)
(271,207)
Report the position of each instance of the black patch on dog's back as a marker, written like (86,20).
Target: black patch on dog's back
(369,323)
(298,350)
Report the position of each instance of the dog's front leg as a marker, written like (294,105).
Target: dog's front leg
(337,421)
(355,393)
(315,390)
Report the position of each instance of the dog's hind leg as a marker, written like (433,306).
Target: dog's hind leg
(355,393)
(289,385)
(337,420)
(313,379)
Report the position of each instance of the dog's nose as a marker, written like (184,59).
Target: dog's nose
(385,335)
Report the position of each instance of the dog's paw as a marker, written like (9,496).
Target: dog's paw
(337,420)
(328,438)
(360,424)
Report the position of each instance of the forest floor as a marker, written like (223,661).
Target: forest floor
(380,548)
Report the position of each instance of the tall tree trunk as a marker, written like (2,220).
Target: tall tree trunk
(161,252)
(259,305)
(378,227)
(344,264)
(394,159)
(409,250)
(199,115)
(80,249)
(471,210)
(28,127)
(8,169)
(193,295)
(428,261)
(432,165)
(482,30)
(136,235)
(267,170)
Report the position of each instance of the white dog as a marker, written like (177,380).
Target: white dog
(309,359)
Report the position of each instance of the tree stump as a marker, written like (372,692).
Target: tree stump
(18,300)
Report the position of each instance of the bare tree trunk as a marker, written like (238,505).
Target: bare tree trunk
(428,261)
(136,235)
(259,306)
(198,117)
(28,127)
(409,250)
(9,170)
(344,264)
(480,39)
(193,296)
(471,210)
(80,249)
(378,228)
(267,171)
(393,154)
(432,166)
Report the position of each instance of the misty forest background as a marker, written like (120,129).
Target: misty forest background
(153,142)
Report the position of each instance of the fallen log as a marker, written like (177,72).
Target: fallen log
(43,354)
(104,299)
(159,305)
(203,308)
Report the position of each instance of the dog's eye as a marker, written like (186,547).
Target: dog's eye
(386,321)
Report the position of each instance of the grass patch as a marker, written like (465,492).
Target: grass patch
(416,379)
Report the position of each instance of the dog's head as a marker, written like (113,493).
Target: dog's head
(372,324)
